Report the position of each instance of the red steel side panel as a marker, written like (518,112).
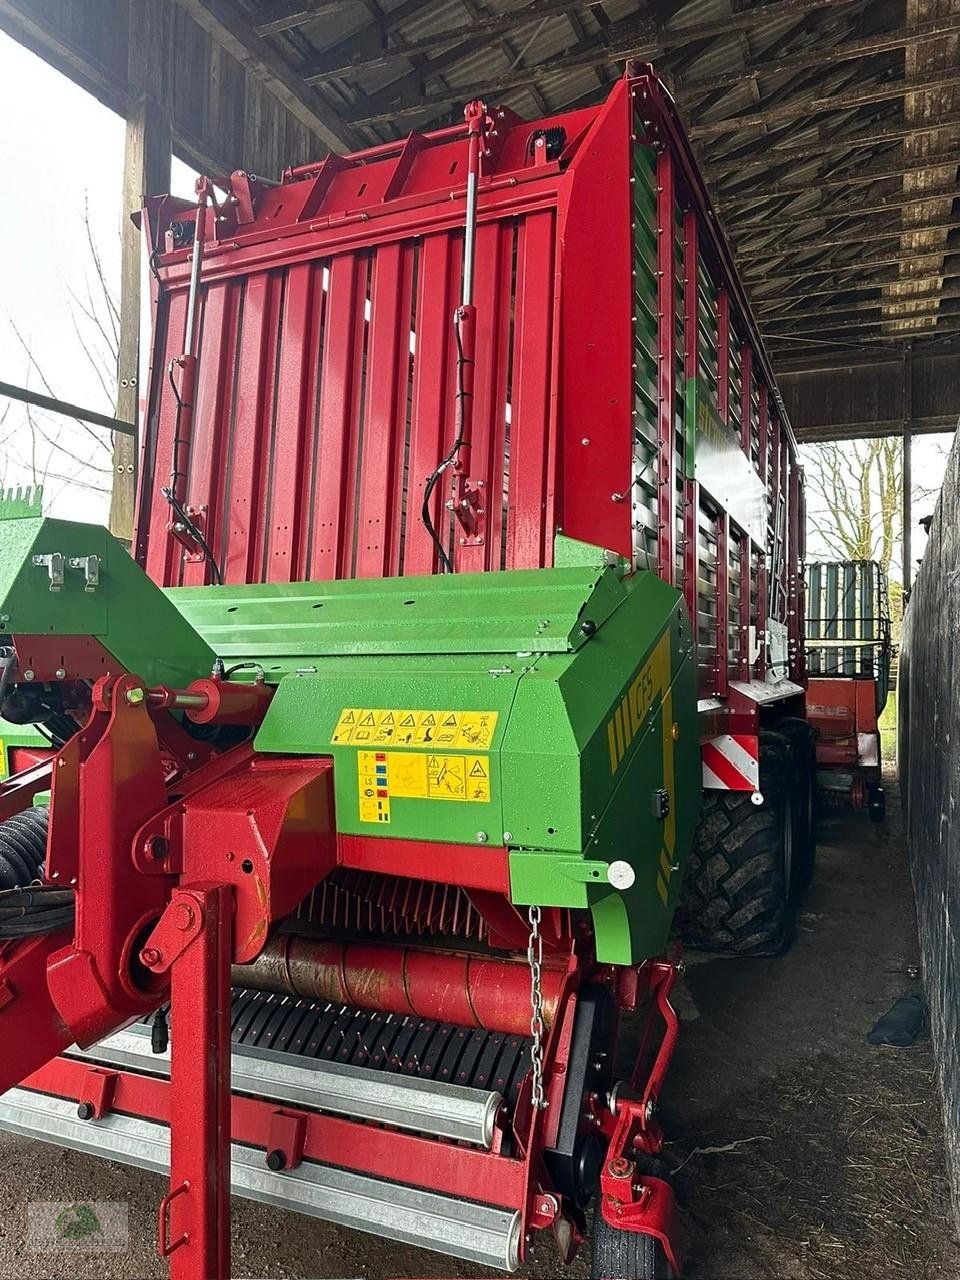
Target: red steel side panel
(388,357)
(214,396)
(339,400)
(326,386)
(247,461)
(530,523)
(666,263)
(430,438)
(290,427)
(496,245)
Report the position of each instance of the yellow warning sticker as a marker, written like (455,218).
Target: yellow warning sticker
(383,776)
(3,759)
(378,726)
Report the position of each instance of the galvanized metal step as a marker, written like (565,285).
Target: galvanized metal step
(403,1102)
(460,1228)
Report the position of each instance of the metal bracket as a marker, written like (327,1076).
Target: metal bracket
(53,563)
(56,563)
(89,566)
(176,929)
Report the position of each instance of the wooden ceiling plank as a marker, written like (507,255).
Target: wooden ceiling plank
(785,154)
(285,15)
(806,105)
(627,38)
(737,227)
(865,174)
(887,233)
(225,24)
(819,56)
(342,62)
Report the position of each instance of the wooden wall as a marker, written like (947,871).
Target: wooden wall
(929,749)
(223,117)
(874,393)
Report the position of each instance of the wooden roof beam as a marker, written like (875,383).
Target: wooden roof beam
(784,154)
(870,430)
(817,55)
(225,24)
(832,270)
(815,245)
(862,284)
(806,105)
(284,15)
(904,200)
(342,61)
(628,38)
(864,322)
(867,304)
(893,168)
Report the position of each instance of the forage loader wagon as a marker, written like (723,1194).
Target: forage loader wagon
(467,555)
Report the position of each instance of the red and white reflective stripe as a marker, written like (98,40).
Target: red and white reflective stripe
(731,762)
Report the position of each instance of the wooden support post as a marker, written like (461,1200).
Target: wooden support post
(146,171)
(906,375)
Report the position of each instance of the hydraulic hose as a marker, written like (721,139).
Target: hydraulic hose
(23,847)
(26,907)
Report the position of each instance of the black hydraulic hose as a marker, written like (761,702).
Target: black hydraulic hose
(26,907)
(425,514)
(23,847)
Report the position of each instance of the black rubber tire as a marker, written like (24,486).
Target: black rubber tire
(737,895)
(626,1255)
(23,847)
(799,733)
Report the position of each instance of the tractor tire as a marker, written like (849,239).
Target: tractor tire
(800,735)
(741,890)
(626,1255)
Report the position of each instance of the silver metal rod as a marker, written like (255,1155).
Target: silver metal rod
(469,240)
(460,1228)
(403,1102)
(194,277)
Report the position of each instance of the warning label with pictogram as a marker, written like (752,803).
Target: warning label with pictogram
(403,727)
(384,776)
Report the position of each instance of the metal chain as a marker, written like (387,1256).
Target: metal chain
(537,1026)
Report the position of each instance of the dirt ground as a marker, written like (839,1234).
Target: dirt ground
(803,1153)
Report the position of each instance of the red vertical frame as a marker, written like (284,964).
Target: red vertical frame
(530,446)
(202,487)
(291,431)
(388,355)
(339,387)
(762,570)
(746,585)
(254,399)
(198,1246)
(431,422)
(723,604)
(494,301)
(667,373)
(691,490)
(746,399)
(795,579)
(723,354)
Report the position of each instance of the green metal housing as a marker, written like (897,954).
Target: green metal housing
(551,711)
(590,755)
